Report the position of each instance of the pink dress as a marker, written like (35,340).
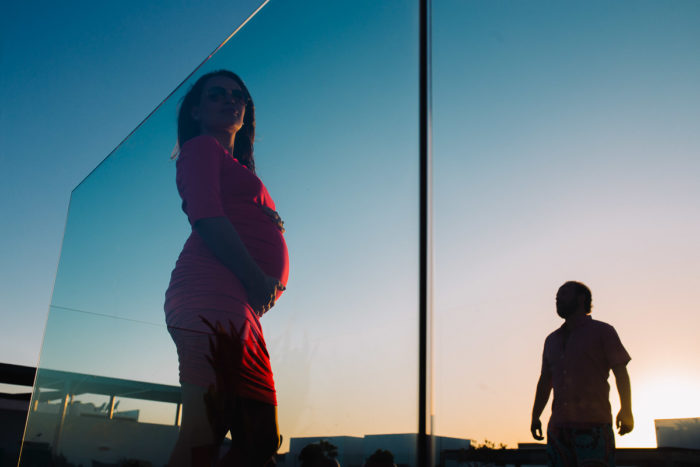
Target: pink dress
(212,184)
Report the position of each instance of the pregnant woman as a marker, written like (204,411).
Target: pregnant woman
(231,270)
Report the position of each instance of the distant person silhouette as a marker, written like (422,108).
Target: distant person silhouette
(576,363)
(380,458)
(321,454)
(231,270)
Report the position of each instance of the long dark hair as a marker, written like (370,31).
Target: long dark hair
(188,127)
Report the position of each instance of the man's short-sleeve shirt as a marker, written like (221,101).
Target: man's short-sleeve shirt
(579,357)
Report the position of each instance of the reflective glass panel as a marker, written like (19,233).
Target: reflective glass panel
(335,89)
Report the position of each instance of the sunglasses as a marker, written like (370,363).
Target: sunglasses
(219,94)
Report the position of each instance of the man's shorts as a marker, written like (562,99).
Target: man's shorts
(581,447)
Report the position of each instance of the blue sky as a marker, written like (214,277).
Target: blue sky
(565,147)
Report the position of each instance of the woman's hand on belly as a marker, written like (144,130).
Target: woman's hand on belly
(274,215)
(223,240)
(263,293)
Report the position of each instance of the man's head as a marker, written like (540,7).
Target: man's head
(573,297)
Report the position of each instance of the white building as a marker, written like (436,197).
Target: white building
(678,433)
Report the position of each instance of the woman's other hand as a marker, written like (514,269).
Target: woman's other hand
(263,293)
(274,215)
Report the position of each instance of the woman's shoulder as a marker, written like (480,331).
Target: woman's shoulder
(202,145)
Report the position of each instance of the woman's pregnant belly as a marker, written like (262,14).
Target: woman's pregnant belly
(265,243)
(200,278)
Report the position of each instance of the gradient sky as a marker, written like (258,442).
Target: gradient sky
(565,147)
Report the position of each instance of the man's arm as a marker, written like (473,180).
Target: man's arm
(625,420)
(544,388)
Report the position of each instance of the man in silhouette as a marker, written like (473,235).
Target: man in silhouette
(576,363)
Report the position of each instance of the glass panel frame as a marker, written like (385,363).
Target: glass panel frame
(352,125)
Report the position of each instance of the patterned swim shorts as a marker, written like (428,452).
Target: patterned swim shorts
(581,447)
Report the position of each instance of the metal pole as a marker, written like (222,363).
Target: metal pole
(425,458)
(177,414)
(59,429)
(111,406)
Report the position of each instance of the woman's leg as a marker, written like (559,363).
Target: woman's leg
(196,445)
(254,435)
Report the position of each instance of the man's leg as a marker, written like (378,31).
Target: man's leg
(595,447)
(560,448)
